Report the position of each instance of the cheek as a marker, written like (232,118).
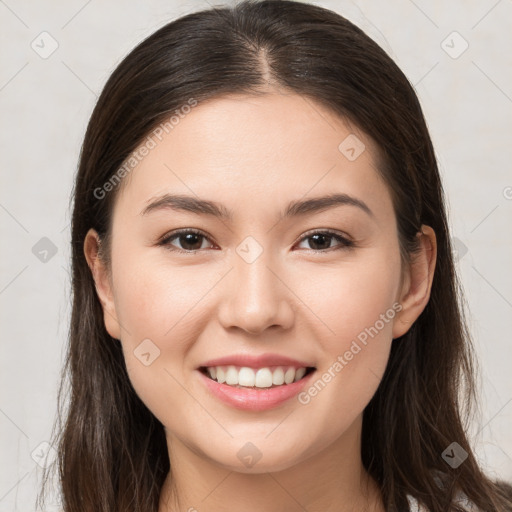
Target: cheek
(155,308)
(351,297)
(160,308)
(356,304)
(157,301)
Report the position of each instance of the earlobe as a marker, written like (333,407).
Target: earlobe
(415,292)
(102,282)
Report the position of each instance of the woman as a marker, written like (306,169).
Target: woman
(221,357)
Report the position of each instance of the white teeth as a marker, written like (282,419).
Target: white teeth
(246,377)
(221,375)
(261,378)
(289,376)
(300,373)
(232,376)
(278,376)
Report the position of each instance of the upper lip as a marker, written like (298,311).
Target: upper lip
(260,361)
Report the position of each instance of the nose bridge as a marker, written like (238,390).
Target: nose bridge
(256,298)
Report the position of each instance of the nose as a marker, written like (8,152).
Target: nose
(256,297)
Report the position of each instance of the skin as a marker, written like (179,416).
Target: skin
(255,155)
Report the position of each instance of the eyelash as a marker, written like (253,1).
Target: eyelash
(345,243)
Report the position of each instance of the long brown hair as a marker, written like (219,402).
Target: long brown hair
(112,453)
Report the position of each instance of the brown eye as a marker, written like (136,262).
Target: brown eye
(188,239)
(321,241)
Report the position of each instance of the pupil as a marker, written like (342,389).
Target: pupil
(324,237)
(189,239)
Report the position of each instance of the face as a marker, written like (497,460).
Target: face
(323,287)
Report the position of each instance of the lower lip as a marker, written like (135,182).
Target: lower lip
(257,399)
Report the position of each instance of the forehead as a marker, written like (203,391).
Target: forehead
(252,150)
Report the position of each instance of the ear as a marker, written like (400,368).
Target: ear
(415,292)
(103,282)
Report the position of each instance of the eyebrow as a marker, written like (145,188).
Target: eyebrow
(294,208)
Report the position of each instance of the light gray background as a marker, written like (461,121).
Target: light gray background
(46,103)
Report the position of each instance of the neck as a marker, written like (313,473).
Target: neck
(333,479)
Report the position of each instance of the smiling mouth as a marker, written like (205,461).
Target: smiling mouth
(268,378)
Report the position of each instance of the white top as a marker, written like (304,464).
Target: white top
(462,500)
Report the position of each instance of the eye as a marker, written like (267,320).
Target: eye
(191,241)
(189,238)
(321,241)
